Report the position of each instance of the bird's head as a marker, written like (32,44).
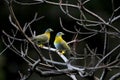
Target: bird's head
(49,30)
(60,34)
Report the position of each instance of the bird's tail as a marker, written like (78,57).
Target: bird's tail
(69,54)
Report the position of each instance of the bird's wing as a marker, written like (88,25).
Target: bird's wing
(43,38)
(65,45)
(61,46)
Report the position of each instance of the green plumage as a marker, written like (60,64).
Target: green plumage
(60,44)
(43,38)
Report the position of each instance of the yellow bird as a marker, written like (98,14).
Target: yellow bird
(61,45)
(43,38)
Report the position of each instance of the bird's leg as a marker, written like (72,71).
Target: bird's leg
(63,52)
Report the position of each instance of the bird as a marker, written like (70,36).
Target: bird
(42,39)
(61,45)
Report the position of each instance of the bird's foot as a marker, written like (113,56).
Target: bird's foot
(62,52)
(41,45)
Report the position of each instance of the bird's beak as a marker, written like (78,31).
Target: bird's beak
(62,33)
(51,30)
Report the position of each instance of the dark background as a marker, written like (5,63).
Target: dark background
(10,63)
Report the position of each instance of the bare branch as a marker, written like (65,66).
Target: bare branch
(65,28)
(32,21)
(86,1)
(12,37)
(115,18)
(107,55)
(30,3)
(82,39)
(20,29)
(115,76)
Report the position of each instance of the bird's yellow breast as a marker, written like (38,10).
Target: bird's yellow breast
(58,39)
(48,35)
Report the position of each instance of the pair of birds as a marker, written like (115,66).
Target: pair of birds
(59,43)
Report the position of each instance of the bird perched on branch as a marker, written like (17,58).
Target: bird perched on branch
(61,45)
(42,38)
